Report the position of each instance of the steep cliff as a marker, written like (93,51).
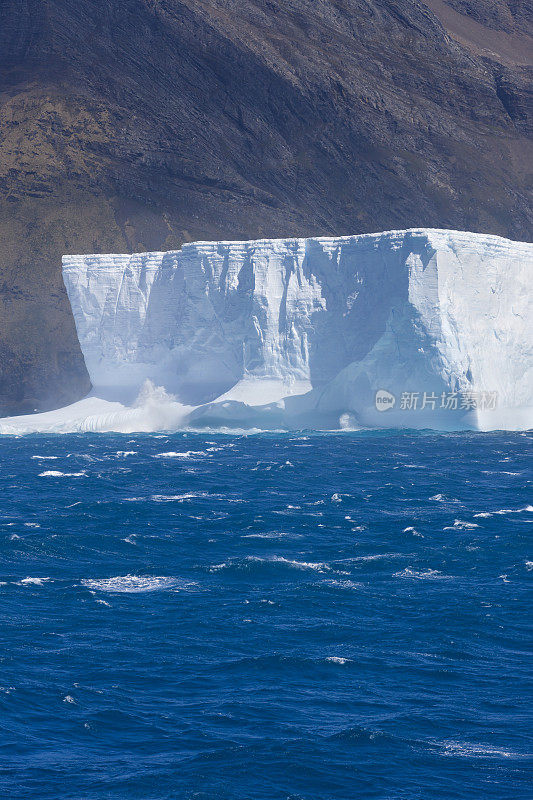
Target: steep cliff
(142,124)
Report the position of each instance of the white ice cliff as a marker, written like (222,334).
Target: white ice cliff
(419,328)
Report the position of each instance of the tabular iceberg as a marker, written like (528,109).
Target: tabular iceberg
(419,328)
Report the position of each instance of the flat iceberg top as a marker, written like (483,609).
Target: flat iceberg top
(422,328)
(438,236)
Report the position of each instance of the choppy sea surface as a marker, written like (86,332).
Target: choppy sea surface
(311,616)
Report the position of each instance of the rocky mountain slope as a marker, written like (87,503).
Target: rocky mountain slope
(143,124)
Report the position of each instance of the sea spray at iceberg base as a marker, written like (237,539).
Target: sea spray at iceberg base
(412,329)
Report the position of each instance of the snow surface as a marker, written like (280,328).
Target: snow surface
(292,333)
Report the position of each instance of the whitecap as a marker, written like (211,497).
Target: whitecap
(414,532)
(318,566)
(100,600)
(125,453)
(468,750)
(133,584)
(270,535)
(529,565)
(526,510)
(31,581)
(341,584)
(186,454)
(52,473)
(428,574)
(69,699)
(338,660)
(377,556)
(460,525)
(31,525)
(168,498)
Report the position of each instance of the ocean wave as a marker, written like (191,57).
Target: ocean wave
(52,473)
(413,531)
(31,581)
(169,498)
(427,574)
(338,660)
(499,472)
(272,535)
(471,750)
(358,733)
(377,556)
(502,511)
(185,454)
(100,601)
(341,584)
(134,584)
(248,561)
(460,525)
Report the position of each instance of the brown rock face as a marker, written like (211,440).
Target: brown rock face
(140,124)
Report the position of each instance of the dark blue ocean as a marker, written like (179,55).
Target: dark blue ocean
(264,617)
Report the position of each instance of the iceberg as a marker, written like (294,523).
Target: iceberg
(418,328)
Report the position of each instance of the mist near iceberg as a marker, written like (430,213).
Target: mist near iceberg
(415,329)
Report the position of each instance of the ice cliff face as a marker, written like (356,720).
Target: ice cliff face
(306,332)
